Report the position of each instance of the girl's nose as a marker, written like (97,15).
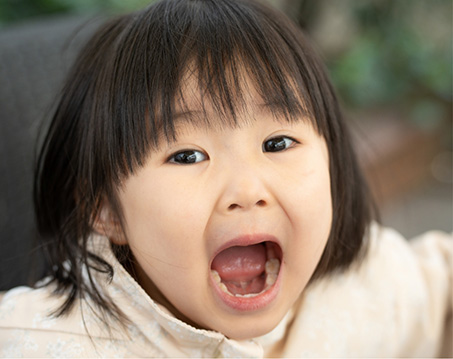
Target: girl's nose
(244,189)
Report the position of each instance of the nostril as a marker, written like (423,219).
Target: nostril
(233,206)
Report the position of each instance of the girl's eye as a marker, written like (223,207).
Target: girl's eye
(277,144)
(187,157)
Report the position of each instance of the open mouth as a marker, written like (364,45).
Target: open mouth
(247,271)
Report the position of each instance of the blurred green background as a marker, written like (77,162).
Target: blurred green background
(379,52)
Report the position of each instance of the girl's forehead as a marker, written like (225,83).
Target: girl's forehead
(204,104)
(204,120)
(229,97)
(197,89)
(256,117)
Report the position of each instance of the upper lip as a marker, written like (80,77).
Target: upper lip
(246,240)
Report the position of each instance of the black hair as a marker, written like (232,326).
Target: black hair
(119,102)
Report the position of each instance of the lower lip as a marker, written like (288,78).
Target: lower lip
(244,304)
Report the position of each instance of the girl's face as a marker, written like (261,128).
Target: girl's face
(228,224)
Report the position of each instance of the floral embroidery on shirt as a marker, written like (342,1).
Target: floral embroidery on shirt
(64,348)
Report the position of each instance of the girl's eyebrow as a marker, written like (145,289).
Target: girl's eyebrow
(196,118)
(190,115)
(186,115)
(206,119)
(180,118)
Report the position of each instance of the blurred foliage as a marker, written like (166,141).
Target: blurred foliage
(400,56)
(391,59)
(17,10)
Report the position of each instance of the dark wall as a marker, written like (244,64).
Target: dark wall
(34,59)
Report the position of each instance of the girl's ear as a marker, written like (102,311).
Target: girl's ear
(107,224)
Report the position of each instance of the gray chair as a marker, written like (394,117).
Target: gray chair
(34,58)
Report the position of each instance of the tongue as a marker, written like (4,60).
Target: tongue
(240,263)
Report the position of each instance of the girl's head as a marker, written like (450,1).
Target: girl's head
(204,139)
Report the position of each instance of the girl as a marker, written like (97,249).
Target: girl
(197,195)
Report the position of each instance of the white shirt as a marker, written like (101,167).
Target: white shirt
(396,303)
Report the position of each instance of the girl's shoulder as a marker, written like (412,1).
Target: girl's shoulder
(30,328)
(407,273)
(397,268)
(25,307)
(418,270)
(395,302)
(434,244)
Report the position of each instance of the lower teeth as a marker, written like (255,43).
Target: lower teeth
(251,295)
(272,268)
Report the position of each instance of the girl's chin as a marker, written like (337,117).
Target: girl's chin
(249,328)
(246,318)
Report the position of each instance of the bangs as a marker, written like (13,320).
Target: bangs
(213,50)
